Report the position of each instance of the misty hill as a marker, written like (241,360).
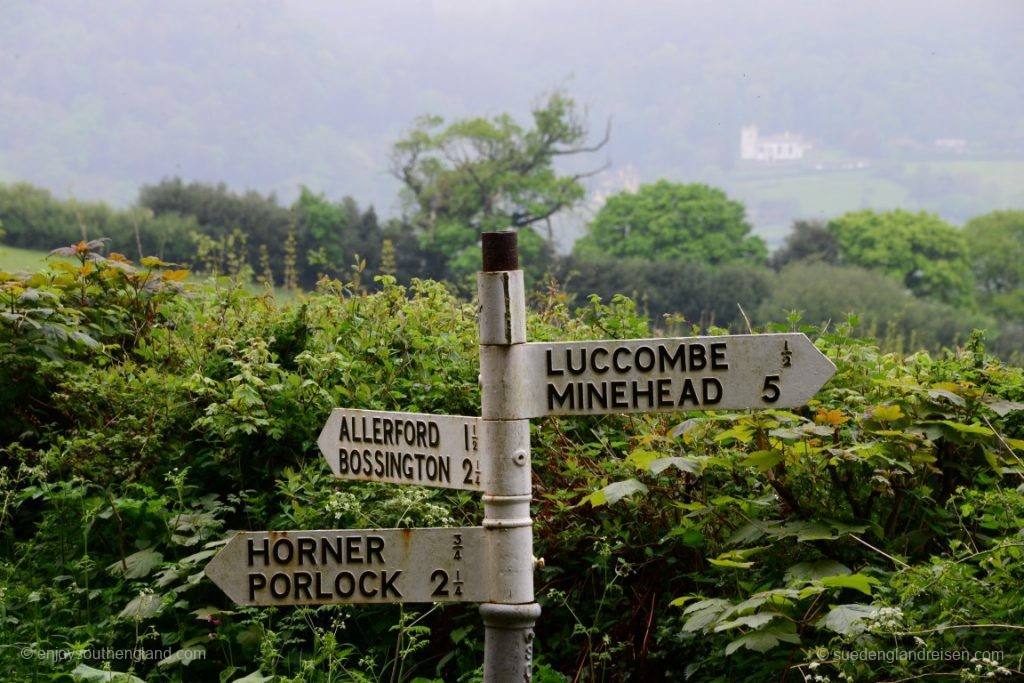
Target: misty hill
(98,99)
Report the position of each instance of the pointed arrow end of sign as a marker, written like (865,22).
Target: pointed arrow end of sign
(223,574)
(815,368)
(328,446)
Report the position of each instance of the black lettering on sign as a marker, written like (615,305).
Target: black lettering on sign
(280,585)
(257,582)
(619,394)
(698,357)
(718,356)
(307,550)
(712,390)
(787,355)
(457,546)
(388,585)
(303,580)
(374,549)
(664,392)
(771,389)
(563,397)
(467,468)
(639,392)
(441,577)
(339,584)
(263,551)
(689,393)
(283,551)
(615,359)
(363,590)
(552,371)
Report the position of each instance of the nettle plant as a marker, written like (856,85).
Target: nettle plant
(884,514)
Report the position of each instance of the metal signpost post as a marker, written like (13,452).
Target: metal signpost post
(512,611)
(493,564)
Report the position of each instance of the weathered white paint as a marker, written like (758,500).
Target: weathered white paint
(350,566)
(667,375)
(403,448)
(511,613)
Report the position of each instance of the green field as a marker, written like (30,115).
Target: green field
(13,259)
(956,190)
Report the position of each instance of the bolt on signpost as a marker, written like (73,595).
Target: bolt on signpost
(493,564)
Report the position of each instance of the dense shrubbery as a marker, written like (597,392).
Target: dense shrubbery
(911,270)
(142,423)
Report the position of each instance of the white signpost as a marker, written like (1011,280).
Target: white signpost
(350,566)
(403,448)
(493,564)
(675,374)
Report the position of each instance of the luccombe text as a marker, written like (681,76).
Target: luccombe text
(635,377)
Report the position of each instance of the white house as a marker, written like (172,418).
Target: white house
(785,147)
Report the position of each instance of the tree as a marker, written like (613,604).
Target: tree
(927,255)
(219,211)
(823,292)
(809,240)
(996,244)
(673,222)
(336,233)
(482,174)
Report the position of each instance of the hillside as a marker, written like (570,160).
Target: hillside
(98,100)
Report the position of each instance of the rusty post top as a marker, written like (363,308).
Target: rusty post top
(500,250)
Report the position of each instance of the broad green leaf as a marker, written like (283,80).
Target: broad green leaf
(751,531)
(254,677)
(742,433)
(858,582)
(205,613)
(708,603)
(807,531)
(704,613)
(846,619)
(142,607)
(90,674)
(992,459)
(808,591)
(683,427)
(749,621)
(137,565)
(812,571)
(764,460)
(764,639)
(679,602)
(731,563)
(691,536)
(1002,407)
(614,492)
(966,429)
(887,413)
(683,464)
(948,395)
(642,459)
(184,656)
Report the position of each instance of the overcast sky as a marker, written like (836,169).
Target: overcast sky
(100,97)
